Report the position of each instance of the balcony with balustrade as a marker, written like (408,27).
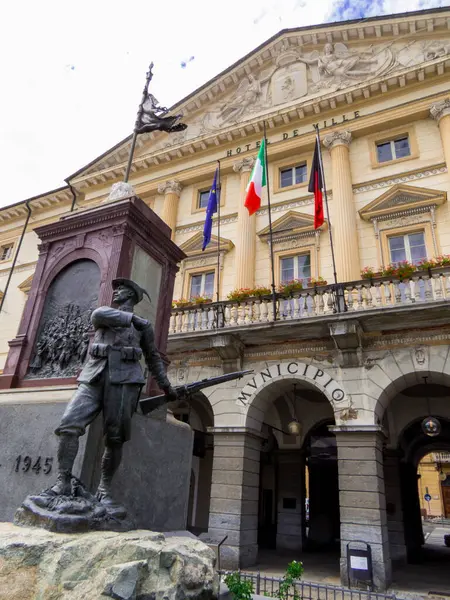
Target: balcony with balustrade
(379,304)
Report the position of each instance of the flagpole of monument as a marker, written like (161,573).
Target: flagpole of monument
(138,121)
(322,175)
(274,296)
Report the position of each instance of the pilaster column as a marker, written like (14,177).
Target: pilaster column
(291,484)
(362,497)
(394,508)
(234,495)
(440,111)
(345,236)
(172,191)
(246,231)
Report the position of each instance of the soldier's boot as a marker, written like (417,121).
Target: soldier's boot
(110,463)
(67,453)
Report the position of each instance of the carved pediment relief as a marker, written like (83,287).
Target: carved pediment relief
(193,246)
(402,198)
(292,224)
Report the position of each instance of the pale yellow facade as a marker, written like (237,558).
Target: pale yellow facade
(170,171)
(433,470)
(369,86)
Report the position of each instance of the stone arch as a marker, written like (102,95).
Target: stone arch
(69,258)
(258,393)
(400,369)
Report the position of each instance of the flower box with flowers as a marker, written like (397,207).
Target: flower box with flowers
(194,301)
(316,282)
(247,293)
(287,288)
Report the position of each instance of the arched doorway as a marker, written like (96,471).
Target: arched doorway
(198,414)
(298,497)
(408,499)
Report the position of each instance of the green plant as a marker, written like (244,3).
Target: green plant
(200,300)
(369,273)
(239,588)
(288,287)
(261,290)
(426,263)
(181,303)
(317,281)
(293,573)
(240,294)
(442,261)
(401,270)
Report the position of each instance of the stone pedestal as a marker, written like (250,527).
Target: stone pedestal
(79,257)
(362,498)
(234,495)
(122,239)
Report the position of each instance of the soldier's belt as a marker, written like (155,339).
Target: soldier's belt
(127,353)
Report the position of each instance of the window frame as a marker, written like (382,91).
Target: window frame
(6,245)
(292,169)
(189,272)
(391,143)
(203,186)
(289,163)
(431,244)
(391,136)
(407,245)
(203,275)
(294,256)
(281,254)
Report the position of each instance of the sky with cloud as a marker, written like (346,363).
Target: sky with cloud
(72,72)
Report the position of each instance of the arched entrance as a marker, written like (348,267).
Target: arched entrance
(298,500)
(198,414)
(407,497)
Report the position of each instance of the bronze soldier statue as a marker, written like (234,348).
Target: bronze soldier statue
(110,382)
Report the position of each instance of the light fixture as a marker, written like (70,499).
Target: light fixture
(430,425)
(294,427)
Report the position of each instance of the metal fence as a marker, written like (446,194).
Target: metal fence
(264,585)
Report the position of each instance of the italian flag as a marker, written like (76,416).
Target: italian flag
(257,181)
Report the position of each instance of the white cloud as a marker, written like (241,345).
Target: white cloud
(73,72)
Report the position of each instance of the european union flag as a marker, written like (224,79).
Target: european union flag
(210,210)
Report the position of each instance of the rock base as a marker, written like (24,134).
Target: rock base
(36,564)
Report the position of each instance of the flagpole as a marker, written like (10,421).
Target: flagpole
(218,230)
(274,297)
(330,233)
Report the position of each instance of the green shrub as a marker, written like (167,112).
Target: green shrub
(240,589)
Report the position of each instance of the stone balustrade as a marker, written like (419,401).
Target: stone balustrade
(367,294)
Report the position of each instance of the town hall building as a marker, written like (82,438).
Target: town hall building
(320,445)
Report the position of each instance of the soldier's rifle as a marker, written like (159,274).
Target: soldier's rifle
(185,391)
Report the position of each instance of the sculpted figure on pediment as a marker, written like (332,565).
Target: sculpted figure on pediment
(436,49)
(337,67)
(247,95)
